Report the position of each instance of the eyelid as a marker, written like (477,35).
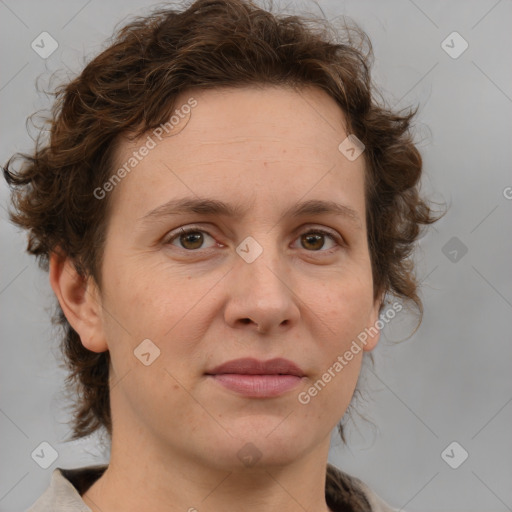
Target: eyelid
(333,235)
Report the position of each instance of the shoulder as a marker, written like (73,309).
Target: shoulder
(346,492)
(65,489)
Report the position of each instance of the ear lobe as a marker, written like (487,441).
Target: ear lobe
(80,301)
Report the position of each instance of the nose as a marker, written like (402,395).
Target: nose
(261,295)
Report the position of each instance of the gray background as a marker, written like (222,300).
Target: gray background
(449,382)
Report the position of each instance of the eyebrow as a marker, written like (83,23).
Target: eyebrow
(209,206)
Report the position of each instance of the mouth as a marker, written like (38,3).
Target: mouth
(258,379)
(257,386)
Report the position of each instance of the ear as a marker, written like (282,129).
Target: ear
(80,301)
(372,329)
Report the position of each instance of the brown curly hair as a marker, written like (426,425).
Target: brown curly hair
(132,86)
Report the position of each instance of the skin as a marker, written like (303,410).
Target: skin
(176,433)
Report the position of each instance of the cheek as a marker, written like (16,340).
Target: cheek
(343,314)
(147,295)
(146,301)
(344,305)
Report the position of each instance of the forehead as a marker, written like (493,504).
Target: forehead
(273,140)
(269,114)
(307,118)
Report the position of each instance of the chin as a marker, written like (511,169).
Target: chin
(267,442)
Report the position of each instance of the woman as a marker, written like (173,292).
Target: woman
(222,208)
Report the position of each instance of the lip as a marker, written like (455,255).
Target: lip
(258,379)
(251,366)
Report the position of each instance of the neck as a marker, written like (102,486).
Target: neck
(142,476)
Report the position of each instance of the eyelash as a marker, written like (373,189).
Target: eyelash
(185,231)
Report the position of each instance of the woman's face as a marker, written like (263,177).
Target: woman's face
(262,283)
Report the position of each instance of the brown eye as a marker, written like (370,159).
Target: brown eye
(312,241)
(189,239)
